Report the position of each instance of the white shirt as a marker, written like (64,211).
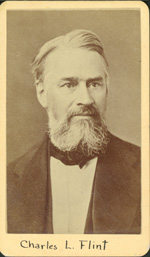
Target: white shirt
(71,193)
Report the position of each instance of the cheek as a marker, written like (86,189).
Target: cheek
(100,101)
(56,105)
(52,103)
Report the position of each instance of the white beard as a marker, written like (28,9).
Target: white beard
(88,136)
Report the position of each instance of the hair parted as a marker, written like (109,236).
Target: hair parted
(78,38)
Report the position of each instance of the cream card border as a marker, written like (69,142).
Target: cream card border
(119,245)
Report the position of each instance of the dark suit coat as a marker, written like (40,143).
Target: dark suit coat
(115,204)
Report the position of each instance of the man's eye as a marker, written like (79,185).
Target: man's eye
(69,85)
(95,84)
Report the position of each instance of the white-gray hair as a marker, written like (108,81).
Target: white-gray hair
(76,39)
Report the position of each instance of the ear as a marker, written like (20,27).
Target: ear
(41,94)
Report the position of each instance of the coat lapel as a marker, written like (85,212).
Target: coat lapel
(115,205)
(29,193)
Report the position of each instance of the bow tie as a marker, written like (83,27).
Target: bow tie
(69,158)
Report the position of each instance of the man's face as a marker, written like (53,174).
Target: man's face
(73,78)
(75,91)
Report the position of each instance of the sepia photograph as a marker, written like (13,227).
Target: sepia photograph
(74,128)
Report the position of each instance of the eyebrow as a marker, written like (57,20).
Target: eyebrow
(94,79)
(99,78)
(70,79)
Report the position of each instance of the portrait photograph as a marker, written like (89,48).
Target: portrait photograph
(75,128)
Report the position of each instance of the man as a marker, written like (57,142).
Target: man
(80,178)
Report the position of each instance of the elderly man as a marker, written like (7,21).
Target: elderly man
(80,178)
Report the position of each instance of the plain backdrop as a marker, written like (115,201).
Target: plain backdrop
(27,31)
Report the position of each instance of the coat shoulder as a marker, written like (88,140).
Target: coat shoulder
(18,166)
(122,149)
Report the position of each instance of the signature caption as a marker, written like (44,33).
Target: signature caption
(81,244)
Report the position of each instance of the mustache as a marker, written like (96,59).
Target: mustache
(83,110)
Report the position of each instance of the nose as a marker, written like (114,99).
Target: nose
(83,96)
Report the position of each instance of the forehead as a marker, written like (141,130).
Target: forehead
(77,62)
